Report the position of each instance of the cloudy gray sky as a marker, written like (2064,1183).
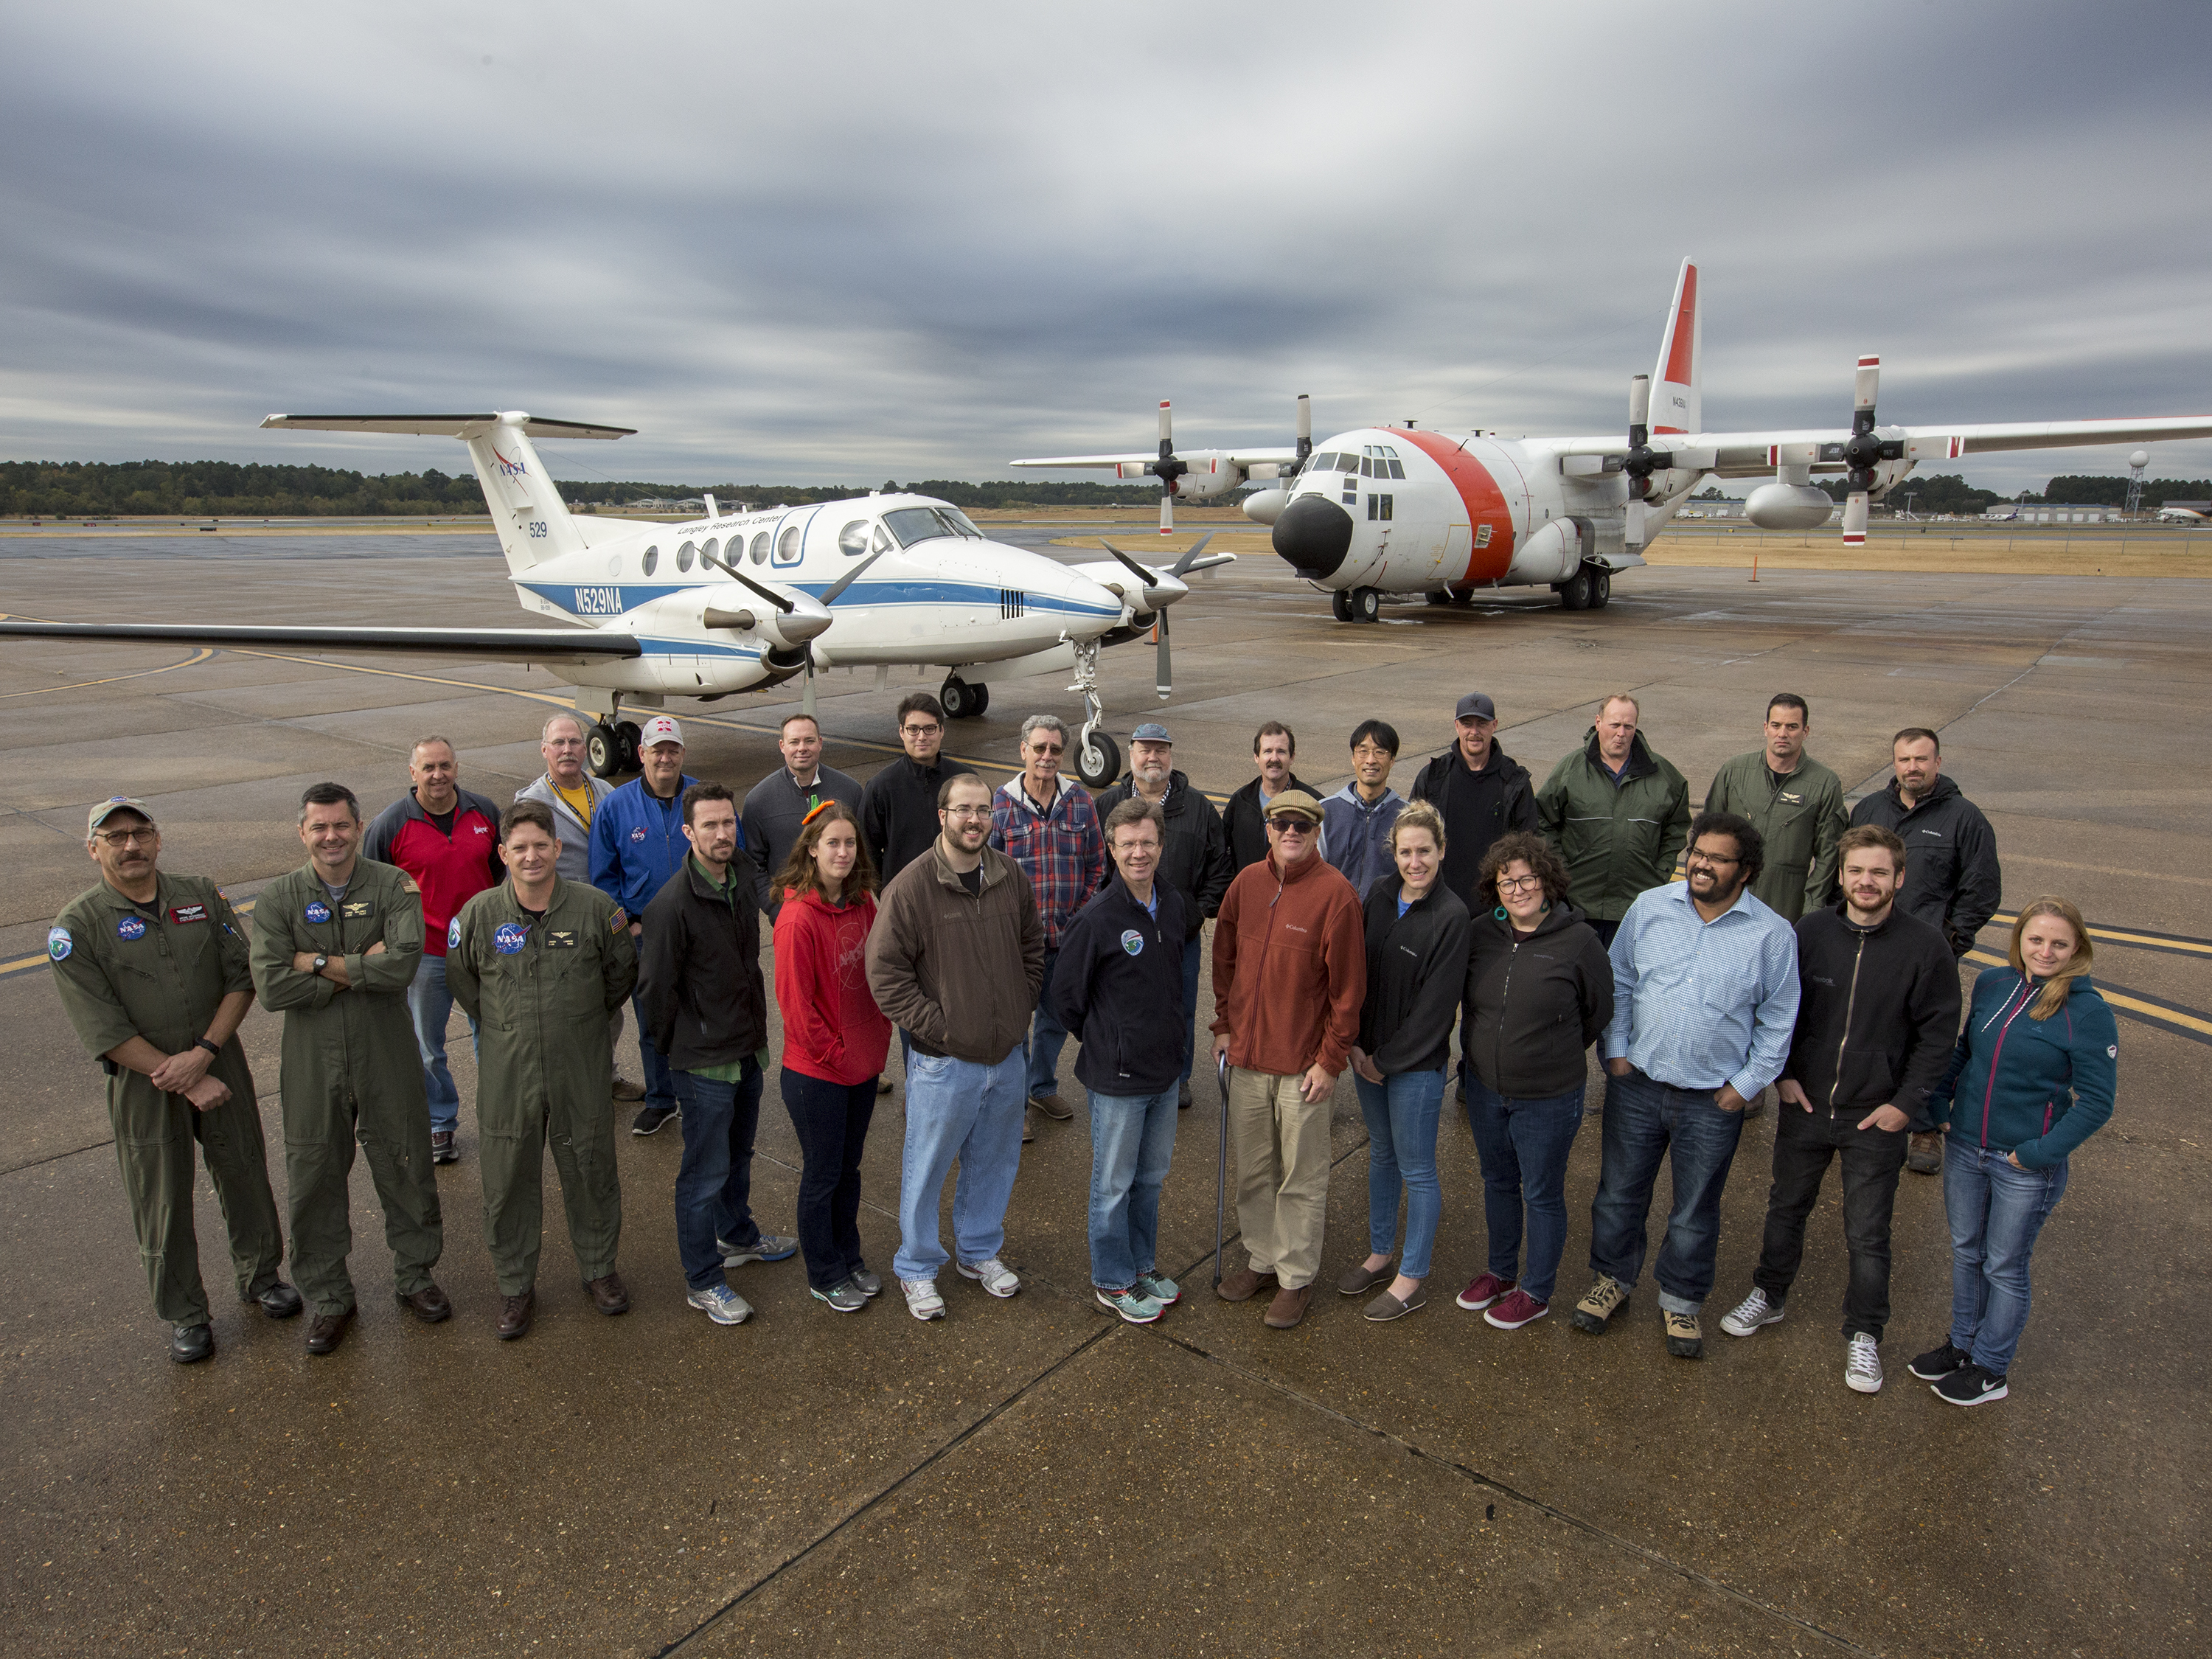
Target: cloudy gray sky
(853,241)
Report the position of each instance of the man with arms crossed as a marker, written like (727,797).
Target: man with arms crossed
(1705,995)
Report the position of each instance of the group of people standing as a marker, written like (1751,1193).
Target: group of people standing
(1806,948)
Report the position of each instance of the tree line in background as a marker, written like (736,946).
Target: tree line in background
(246,490)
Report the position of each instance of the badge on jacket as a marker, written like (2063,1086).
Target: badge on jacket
(453,934)
(317,911)
(59,944)
(129,927)
(507,939)
(357,909)
(181,914)
(562,939)
(1133,941)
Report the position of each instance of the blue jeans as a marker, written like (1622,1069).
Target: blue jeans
(713,1184)
(1647,1120)
(1401,1112)
(958,1108)
(1524,1146)
(1047,1036)
(1995,1212)
(659,1080)
(431,1006)
(1132,1143)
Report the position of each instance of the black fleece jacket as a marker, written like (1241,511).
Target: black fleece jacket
(898,812)
(1877,1014)
(1477,808)
(1416,965)
(1194,861)
(1535,1005)
(1117,989)
(1241,821)
(699,978)
(1952,881)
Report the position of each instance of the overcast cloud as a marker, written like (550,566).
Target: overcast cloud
(853,242)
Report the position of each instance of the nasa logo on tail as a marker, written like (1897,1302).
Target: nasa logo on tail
(513,469)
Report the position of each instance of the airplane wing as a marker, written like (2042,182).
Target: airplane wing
(1749,454)
(1241,458)
(467,644)
(443,426)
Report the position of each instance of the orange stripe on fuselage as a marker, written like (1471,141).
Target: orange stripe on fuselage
(1479,493)
(1685,331)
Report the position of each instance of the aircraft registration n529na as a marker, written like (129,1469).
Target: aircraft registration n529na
(1383,510)
(740,601)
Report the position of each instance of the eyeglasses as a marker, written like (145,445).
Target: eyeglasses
(1046,748)
(1707,858)
(1287,825)
(1518,883)
(130,837)
(929,731)
(966,811)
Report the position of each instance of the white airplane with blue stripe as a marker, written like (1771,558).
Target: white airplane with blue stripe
(742,601)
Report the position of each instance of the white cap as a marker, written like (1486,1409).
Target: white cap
(659,729)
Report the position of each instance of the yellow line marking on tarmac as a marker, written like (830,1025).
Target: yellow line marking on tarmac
(2135,1006)
(2189,947)
(199,656)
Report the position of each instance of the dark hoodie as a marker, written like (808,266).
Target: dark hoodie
(1535,1005)
(1952,881)
(1477,807)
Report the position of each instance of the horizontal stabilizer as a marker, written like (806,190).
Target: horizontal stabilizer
(446,426)
(522,644)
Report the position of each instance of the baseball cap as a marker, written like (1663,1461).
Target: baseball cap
(659,729)
(1476,704)
(1151,732)
(111,804)
(1298,802)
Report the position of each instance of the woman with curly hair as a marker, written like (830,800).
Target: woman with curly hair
(1539,992)
(2033,1078)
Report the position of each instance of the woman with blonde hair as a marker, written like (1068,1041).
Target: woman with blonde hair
(2033,1078)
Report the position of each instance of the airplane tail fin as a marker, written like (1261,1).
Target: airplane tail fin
(1676,404)
(526,508)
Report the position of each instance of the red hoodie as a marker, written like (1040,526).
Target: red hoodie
(832,1028)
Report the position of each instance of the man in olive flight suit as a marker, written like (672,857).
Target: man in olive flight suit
(152,972)
(335,945)
(540,963)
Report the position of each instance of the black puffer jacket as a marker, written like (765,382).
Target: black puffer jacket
(1195,859)
(1952,881)
(1535,1006)
(1416,966)
(1877,1014)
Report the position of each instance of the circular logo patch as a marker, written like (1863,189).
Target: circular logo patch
(638,834)
(1133,942)
(453,934)
(508,939)
(58,943)
(129,927)
(318,912)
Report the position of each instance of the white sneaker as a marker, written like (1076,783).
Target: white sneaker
(1749,1314)
(994,1276)
(923,1300)
(721,1304)
(1863,1364)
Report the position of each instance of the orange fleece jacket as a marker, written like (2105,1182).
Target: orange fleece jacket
(1290,968)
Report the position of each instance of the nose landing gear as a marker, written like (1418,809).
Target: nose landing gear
(1097,757)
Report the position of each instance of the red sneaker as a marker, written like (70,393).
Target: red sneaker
(1482,1292)
(1514,1309)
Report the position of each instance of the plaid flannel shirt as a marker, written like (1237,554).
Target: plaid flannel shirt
(1062,851)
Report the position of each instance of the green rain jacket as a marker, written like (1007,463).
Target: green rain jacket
(1618,840)
(541,990)
(349,1045)
(1801,820)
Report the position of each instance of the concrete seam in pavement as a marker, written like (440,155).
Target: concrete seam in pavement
(1590,1529)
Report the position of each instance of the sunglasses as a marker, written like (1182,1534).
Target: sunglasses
(1287,824)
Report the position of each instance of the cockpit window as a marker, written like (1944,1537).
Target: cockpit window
(920,524)
(1347,462)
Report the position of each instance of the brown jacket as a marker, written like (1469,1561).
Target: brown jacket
(958,971)
(1290,968)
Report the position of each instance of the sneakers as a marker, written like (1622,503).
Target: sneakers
(1923,1153)
(1939,1363)
(1481,1291)
(923,1300)
(868,1284)
(769,1246)
(1971,1385)
(1053,1107)
(1607,1297)
(443,1150)
(993,1275)
(1862,1364)
(623,1089)
(1182,1097)
(1161,1290)
(1755,1310)
(1686,1338)
(847,1298)
(721,1304)
(1514,1310)
(650,1118)
(1131,1302)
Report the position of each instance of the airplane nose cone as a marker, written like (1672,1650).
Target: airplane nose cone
(1314,534)
(809,620)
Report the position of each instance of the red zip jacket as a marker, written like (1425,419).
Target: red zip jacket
(832,1028)
(1290,968)
(451,870)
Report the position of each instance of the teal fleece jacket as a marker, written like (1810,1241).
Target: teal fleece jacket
(2035,1088)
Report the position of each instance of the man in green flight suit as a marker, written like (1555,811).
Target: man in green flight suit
(540,963)
(152,972)
(1793,801)
(335,945)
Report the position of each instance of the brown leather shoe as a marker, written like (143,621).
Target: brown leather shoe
(609,1295)
(623,1089)
(429,1304)
(326,1331)
(1923,1153)
(1288,1308)
(1243,1284)
(515,1313)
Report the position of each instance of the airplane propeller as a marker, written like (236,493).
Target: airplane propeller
(1167,469)
(1863,449)
(1155,599)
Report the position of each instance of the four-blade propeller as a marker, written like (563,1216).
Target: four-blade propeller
(1158,593)
(1864,450)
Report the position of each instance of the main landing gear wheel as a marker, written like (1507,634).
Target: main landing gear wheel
(1097,758)
(1366,604)
(1339,605)
(1575,591)
(960,700)
(1440,598)
(1600,585)
(603,751)
(631,732)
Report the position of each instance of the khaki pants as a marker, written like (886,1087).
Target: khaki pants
(1282,1174)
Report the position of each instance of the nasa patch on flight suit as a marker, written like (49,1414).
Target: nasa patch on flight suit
(317,912)
(130,927)
(453,934)
(508,938)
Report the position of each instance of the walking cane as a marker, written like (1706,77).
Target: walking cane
(1221,1169)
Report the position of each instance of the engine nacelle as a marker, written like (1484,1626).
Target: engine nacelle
(1266,505)
(1788,507)
(1553,553)
(1206,478)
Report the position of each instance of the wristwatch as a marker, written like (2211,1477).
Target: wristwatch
(321,962)
(214,1049)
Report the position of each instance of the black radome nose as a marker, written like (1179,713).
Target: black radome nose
(1313,534)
